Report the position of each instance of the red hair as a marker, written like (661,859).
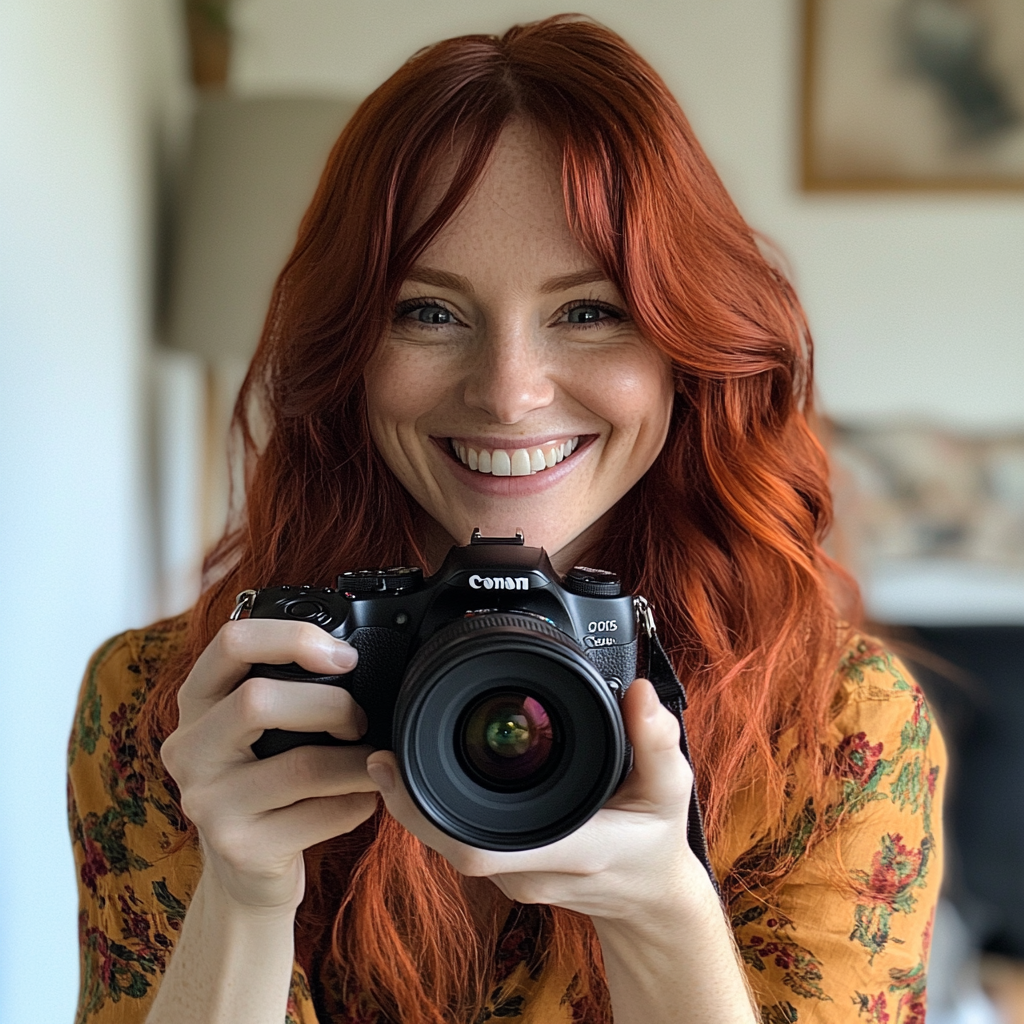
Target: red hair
(722,534)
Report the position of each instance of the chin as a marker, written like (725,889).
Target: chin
(539,531)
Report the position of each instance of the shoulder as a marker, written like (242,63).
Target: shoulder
(880,734)
(111,774)
(102,748)
(885,742)
(121,671)
(885,759)
(848,920)
(869,674)
(135,862)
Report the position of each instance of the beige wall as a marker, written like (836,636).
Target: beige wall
(917,302)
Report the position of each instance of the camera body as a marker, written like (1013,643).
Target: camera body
(495,681)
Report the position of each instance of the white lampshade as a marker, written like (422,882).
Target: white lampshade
(253,167)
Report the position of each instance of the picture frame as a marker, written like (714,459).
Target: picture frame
(912,95)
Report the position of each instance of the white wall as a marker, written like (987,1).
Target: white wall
(78,89)
(917,302)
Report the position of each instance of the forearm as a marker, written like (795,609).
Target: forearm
(232,965)
(671,968)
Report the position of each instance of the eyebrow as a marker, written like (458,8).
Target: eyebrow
(567,281)
(458,283)
(439,279)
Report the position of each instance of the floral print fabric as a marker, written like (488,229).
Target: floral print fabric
(842,937)
(845,936)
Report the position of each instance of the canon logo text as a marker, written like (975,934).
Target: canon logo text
(499,582)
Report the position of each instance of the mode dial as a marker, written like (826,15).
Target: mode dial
(360,581)
(402,577)
(380,581)
(587,582)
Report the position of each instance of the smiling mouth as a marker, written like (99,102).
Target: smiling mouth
(513,461)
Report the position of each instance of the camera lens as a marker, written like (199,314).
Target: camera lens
(506,739)
(507,736)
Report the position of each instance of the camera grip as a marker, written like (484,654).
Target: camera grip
(373,683)
(617,661)
(276,741)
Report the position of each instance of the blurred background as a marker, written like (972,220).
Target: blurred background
(156,158)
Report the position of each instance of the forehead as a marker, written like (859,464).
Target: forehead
(516,207)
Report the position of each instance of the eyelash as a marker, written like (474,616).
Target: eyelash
(404,308)
(612,312)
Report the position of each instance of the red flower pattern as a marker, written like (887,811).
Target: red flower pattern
(791,972)
(858,757)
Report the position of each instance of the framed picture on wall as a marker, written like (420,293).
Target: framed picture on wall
(913,94)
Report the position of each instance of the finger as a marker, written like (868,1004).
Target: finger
(239,645)
(229,728)
(317,820)
(300,774)
(284,832)
(660,777)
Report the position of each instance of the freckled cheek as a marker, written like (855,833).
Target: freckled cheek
(399,391)
(636,401)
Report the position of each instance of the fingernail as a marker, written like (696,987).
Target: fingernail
(344,655)
(383,777)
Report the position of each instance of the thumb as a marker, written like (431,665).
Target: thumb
(660,774)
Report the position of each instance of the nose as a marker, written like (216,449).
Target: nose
(509,377)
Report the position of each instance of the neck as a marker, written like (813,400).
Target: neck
(436,541)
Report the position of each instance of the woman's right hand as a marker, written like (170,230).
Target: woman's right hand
(256,817)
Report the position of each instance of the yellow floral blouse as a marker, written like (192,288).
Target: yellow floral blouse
(844,938)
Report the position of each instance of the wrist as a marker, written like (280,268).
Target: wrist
(232,962)
(684,898)
(683,950)
(225,896)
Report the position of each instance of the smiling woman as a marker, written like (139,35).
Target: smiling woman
(514,389)
(520,299)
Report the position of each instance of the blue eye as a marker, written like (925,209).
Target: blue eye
(434,315)
(585,315)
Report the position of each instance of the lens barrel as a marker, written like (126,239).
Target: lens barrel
(507,737)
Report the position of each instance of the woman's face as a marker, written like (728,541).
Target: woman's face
(514,390)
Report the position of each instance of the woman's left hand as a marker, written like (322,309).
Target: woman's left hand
(668,951)
(630,861)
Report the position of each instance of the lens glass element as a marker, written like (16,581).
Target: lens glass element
(507,738)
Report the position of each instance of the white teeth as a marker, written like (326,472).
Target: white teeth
(518,461)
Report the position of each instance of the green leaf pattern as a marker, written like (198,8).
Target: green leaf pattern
(893,882)
(128,833)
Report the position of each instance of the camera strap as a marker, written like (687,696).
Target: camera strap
(672,695)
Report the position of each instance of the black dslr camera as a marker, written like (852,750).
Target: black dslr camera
(495,682)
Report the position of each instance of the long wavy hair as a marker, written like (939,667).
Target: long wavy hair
(722,534)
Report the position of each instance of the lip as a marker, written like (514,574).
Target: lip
(512,486)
